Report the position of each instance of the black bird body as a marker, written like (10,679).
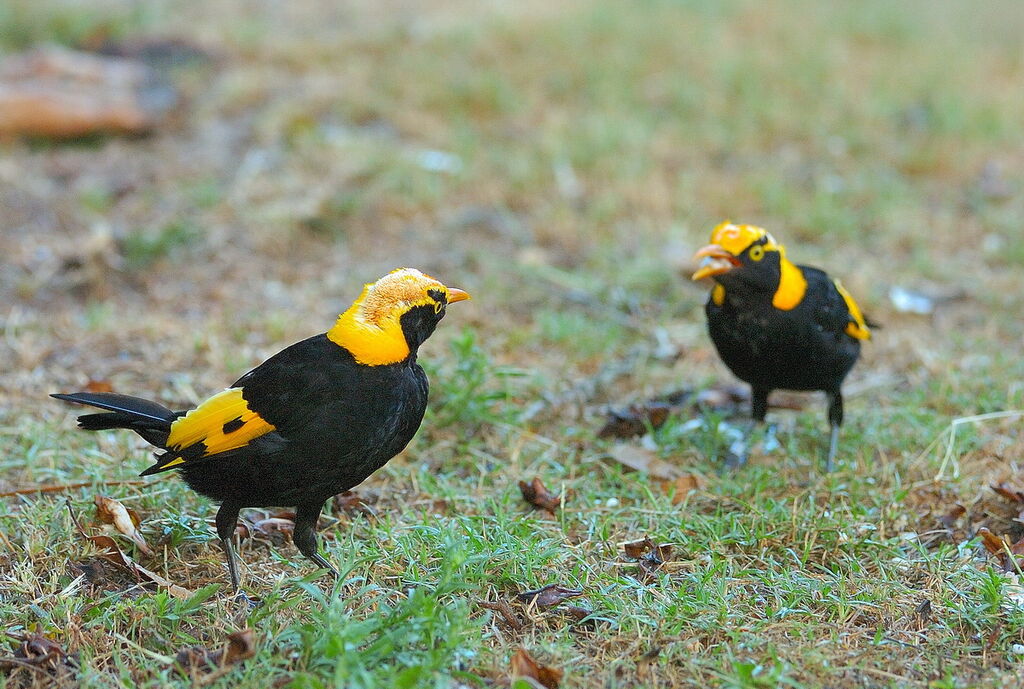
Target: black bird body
(314,420)
(778,325)
(804,348)
(336,423)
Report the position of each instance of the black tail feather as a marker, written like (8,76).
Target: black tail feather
(133,407)
(150,420)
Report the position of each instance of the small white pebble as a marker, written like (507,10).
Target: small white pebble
(612,502)
(1017,648)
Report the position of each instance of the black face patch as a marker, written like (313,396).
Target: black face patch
(233,425)
(437,295)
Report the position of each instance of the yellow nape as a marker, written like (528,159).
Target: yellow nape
(737,238)
(792,285)
(206,424)
(371,329)
(857,327)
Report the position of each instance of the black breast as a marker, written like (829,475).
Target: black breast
(805,348)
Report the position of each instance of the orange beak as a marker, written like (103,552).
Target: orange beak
(455,294)
(714,261)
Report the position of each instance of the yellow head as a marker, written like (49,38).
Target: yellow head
(733,246)
(393,316)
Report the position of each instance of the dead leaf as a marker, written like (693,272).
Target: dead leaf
(636,549)
(923,611)
(682,486)
(352,503)
(42,654)
(650,556)
(99,386)
(1009,492)
(948,520)
(109,550)
(642,459)
(1001,548)
(537,494)
(505,610)
(638,419)
(198,660)
(277,529)
(126,521)
(548,596)
(524,665)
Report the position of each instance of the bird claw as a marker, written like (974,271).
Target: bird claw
(736,454)
(251,603)
(770,443)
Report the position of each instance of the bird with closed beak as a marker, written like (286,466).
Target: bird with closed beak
(312,421)
(778,325)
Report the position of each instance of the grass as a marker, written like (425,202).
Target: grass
(561,163)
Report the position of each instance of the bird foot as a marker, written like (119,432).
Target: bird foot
(736,455)
(770,442)
(242,598)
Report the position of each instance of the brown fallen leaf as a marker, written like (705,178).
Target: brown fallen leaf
(277,529)
(524,665)
(126,521)
(548,596)
(636,549)
(642,459)
(109,551)
(1009,492)
(505,610)
(682,486)
(650,556)
(352,503)
(43,655)
(636,420)
(1001,548)
(99,386)
(948,520)
(537,494)
(198,660)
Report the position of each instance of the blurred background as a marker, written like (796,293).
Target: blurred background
(561,160)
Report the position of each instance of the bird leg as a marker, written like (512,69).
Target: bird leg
(738,452)
(227,519)
(835,418)
(304,536)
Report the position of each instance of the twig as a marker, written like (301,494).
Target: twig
(69,486)
(951,430)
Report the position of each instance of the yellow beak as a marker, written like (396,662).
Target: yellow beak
(455,294)
(715,261)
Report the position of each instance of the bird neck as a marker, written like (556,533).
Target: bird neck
(370,344)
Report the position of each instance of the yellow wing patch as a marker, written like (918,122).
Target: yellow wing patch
(223,422)
(857,327)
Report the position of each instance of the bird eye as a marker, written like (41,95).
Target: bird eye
(438,306)
(757,252)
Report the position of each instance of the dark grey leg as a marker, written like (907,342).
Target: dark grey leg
(835,419)
(227,518)
(304,535)
(737,454)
